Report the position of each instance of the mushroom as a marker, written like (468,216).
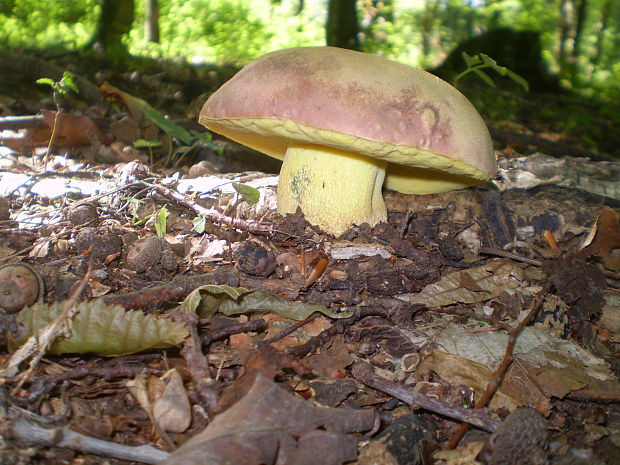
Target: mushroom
(345,121)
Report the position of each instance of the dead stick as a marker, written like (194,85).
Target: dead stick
(22,122)
(212,214)
(477,417)
(23,430)
(503,367)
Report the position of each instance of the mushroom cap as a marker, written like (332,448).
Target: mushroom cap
(432,137)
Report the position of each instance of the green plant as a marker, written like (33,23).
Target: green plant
(142,144)
(189,139)
(161,222)
(60,90)
(476,63)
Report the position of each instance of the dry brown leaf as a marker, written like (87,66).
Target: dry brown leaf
(332,358)
(71,130)
(268,362)
(270,426)
(472,285)
(606,239)
(172,411)
(458,370)
(463,455)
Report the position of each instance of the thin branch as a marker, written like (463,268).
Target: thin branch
(26,431)
(477,417)
(503,367)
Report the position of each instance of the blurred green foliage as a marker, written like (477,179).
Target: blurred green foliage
(419,32)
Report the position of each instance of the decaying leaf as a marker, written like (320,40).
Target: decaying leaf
(462,371)
(544,367)
(172,411)
(72,130)
(270,426)
(207,300)
(606,234)
(102,329)
(472,285)
(332,358)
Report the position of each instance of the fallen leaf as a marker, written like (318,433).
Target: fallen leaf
(472,285)
(207,300)
(71,130)
(172,411)
(331,358)
(606,238)
(461,371)
(270,426)
(102,329)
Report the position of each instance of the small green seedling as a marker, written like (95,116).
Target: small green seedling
(60,89)
(476,63)
(142,144)
(134,204)
(248,193)
(161,221)
(200,223)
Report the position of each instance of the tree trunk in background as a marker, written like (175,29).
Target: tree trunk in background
(6,7)
(428,17)
(300,7)
(151,20)
(566,13)
(115,20)
(580,19)
(602,28)
(582,11)
(342,27)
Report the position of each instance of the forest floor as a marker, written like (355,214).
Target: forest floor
(161,308)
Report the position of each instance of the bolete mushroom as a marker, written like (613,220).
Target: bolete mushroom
(343,121)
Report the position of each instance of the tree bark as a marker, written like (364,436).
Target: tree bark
(115,20)
(566,13)
(342,28)
(151,20)
(600,36)
(582,11)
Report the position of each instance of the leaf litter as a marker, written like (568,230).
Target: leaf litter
(239,297)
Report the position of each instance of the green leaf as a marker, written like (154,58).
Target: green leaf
(206,138)
(146,144)
(68,83)
(248,193)
(484,76)
(200,223)
(207,300)
(46,81)
(487,60)
(106,330)
(470,60)
(160,221)
(518,79)
(168,126)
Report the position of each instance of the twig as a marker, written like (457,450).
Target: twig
(503,367)
(257,325)
(22,122)
(197,363)
(338,328)
(290,330)
(477,417)
(23,430)
(212,214)
(474,316)
(513,256)
(40,343)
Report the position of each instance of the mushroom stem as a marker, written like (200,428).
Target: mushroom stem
(333,188)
